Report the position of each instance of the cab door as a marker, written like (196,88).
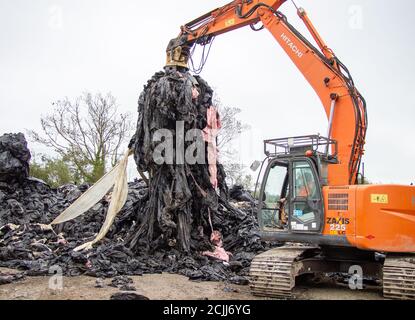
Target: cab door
(306,200)
(273,194)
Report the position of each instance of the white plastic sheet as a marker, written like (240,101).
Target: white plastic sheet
(116,178)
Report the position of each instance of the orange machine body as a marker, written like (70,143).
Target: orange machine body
(372,217)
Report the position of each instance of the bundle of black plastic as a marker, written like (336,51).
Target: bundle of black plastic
(14,158)
(182,197)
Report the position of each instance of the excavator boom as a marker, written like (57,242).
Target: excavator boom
(330,79)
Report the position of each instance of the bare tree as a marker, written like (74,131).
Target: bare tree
(236,175)
(232,127)
(87,132)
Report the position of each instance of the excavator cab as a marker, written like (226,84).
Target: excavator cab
(291,200)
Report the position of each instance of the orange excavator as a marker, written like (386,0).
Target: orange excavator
(313,197)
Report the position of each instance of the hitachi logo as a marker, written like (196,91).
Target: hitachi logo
(293,47)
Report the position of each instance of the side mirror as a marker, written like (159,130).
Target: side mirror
(255,165)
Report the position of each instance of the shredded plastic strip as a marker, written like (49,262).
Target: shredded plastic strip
(117,177)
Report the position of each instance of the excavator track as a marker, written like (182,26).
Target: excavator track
(399,277)
(273,273)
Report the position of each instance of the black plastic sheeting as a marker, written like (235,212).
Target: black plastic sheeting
(7,278)
(26,246)
(181,197)
(14,157)
(128,296)
(238,193)
(150,235)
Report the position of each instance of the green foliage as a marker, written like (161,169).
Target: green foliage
(245,180)
(236,175)
(84,169)
(54,171)
(271,198)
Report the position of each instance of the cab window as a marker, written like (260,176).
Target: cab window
(274,193)
(307,205)
(304,182)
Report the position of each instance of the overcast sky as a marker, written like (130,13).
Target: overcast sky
(51,49)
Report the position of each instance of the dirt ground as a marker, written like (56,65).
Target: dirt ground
(167,287)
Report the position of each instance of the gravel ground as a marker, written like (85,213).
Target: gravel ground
(168,287)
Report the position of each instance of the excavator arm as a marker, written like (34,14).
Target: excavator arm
(330,79)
